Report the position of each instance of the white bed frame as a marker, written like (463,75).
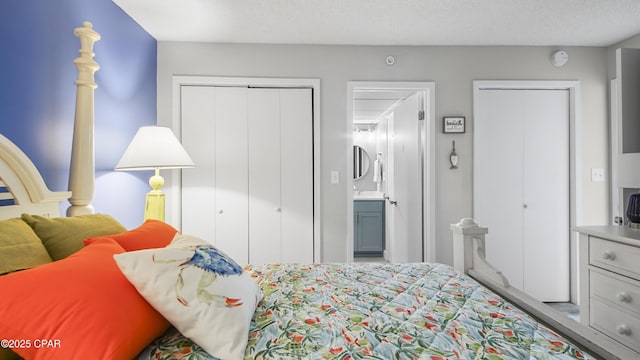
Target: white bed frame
(24,185)
(19,177)
(469,257)
(31,195)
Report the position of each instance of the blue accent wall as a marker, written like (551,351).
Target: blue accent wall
(37,98)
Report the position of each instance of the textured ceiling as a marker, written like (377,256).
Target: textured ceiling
(390,22)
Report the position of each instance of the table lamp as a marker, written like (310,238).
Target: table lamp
(154,148)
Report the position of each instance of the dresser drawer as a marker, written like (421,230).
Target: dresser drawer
(616,289)
(615,323)
(621,258)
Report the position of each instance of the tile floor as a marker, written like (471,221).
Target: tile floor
(571,310)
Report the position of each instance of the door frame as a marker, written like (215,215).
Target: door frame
(427,154)
(575,153)
(172,188)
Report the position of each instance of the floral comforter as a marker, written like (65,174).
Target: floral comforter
(380,311)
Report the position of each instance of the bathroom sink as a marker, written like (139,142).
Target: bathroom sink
(368,195)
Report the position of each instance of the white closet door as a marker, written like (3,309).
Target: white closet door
(498,182)
(546,194)
(232,177)
(280,176)
(214,193)
(521,187)
(264,176)
(251,193)
(198,199)
(296,137)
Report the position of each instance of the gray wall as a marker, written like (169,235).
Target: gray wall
(625,176)
(633,43)
(630,73)
(452,68)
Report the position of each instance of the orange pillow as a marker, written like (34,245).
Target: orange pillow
(81,307)
(150,235)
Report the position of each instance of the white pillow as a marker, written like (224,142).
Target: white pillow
(200,290)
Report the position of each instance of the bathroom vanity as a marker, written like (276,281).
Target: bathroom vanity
(369,229)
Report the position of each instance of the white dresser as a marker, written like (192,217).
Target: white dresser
(609,261)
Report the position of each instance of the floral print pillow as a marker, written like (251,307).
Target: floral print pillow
(204,293)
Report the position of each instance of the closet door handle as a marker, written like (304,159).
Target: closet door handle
(220,211)
(278,209)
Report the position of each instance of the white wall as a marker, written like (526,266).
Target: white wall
(452,68)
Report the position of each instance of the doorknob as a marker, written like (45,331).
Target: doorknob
(392,202)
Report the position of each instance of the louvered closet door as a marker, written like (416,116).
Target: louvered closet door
(214,193)
(280,176)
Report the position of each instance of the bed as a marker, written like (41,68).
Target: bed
(173,296)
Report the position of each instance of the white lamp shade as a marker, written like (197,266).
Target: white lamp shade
(154,147)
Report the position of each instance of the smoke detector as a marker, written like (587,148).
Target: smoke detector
(559,58)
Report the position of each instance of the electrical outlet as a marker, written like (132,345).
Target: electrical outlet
(597,175)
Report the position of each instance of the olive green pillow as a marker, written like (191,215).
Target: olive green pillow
(63,236)
(20,247)
(7,354)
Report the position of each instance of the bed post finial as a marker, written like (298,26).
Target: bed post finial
(463,234)
(82,172)
(469,251)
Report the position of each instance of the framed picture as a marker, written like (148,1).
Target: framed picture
(453,124)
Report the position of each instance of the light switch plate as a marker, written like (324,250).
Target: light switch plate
(597,175)
(335,177)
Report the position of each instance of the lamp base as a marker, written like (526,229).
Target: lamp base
(154,208)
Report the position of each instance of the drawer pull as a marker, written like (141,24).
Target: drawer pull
(623,329)
(623,297)
(609,255)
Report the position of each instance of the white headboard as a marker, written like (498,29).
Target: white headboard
(22,189)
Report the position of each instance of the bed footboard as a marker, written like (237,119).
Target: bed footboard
(469,257)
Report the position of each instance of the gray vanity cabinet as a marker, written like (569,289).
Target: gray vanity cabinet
(368,227)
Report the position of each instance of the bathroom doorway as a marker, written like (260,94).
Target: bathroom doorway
(390,177)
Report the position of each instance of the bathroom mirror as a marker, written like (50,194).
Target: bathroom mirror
(360,162)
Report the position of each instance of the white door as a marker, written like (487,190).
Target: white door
(264,176)
(296,154)
(214,194)
(251,193)
(280,176)
(404,205)
(521,187)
